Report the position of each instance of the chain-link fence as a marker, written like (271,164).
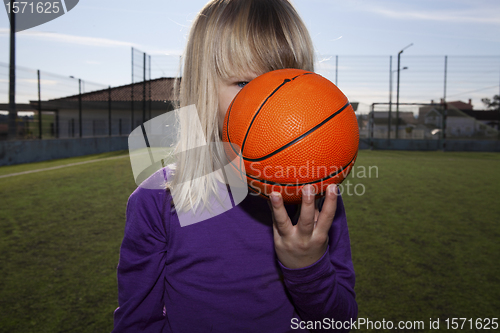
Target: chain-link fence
(39,103)
(433,121)
(51,106)
(427,97)
(435,97)
(368,79)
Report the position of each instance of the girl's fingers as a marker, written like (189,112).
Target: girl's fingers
(327,213)
(282,221)
(316,209)
(306,221)
(310,220)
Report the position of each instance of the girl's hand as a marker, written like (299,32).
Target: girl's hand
(303,244)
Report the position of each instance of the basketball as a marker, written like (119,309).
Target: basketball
(292,127)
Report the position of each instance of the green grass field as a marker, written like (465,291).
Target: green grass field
(425,239)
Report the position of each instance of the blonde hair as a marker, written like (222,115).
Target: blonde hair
(229,38)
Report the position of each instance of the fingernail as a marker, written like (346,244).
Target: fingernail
(275,197)
(332,188)
(307,190)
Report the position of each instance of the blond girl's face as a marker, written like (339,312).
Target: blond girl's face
(228,89)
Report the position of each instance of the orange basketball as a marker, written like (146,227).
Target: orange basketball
(294,128)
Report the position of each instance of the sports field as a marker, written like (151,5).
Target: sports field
(425,238)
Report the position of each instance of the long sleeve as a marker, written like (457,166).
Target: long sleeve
(326,288)
(141,267)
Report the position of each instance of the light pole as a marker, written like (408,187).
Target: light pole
(390,99)
(397,93)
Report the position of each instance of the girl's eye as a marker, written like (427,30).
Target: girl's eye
(241,84)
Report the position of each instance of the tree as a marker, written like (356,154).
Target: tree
(492,103)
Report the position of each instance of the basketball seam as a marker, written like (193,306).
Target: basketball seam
(262,105)
(258,111)
(297,139)
(331,175)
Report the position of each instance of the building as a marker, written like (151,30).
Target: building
(461,120)
(112,111)
(422,111)
(406,125)
(489,118)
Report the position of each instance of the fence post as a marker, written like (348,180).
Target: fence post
(56,125)
(390,101)
(80,107)
(397,99)
(132,95)
(12,134)
(149,99)
(39,107)
(445,76)
(370,124)
(445,105)
(109,110)
(445,114)
(144,88)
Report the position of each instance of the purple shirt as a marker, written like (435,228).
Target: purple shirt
(222,274)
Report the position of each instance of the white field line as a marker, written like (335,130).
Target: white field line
(62,166)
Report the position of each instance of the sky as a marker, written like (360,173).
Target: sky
(93,41)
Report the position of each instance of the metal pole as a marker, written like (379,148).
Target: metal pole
(56,125)
(150,106)
(371,124)
(109,110)
(445,115)
(445,110)
(12,79)
(390,100)
(80,107)
(144,88)
(445,76)
(39,107)
(397,97)
(132,94)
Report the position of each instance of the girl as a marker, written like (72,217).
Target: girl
(249,269)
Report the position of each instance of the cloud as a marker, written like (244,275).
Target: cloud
(482,15)
(71,39)
(89,41)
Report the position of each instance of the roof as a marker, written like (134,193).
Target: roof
(450,112)
(161,89)
(484,114)
(460,105)
(456,105)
